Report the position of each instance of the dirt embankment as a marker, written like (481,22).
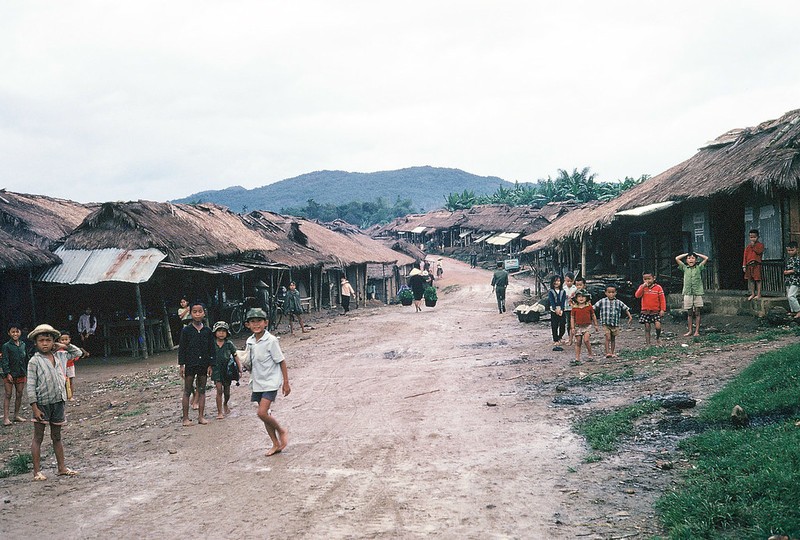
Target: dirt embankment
(402,424)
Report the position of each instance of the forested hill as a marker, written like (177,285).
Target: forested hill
(427,187)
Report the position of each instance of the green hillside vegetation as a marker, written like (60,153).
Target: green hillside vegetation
(426,187)
(360,214)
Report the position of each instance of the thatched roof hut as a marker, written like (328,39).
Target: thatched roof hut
(764,158)
(16,255)
(293,243)
(39,220)
(204,232)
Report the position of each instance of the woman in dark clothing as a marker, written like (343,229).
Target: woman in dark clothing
(417,283)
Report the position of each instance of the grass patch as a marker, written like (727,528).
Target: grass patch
(17,465)
(603,430)
(744,483)
(135,412)
(722,338)
(769,385)
(650,352)
(607,377)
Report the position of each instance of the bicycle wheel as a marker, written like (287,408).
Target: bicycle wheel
(237,320)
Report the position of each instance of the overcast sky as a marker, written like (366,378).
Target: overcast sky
(157,100)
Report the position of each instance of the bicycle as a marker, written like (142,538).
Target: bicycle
(236,315)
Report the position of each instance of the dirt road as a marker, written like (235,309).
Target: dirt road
(401,425)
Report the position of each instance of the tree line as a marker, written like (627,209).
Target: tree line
(361,214)
(579,186)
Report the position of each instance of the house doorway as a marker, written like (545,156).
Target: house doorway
(727,221)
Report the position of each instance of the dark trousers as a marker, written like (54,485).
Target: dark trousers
(346,303)
(557,325)
(500,293)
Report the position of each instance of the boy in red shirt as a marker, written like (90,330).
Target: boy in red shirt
(751,264)
(654,305)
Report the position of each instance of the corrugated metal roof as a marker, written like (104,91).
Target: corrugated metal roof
(502,239)
(87,267)
(230,268)
(646,209)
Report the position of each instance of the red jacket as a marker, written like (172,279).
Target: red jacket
(753,253)
(653,299)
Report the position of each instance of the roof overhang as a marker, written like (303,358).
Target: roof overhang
(482,238)
(418,230)
(502,239)
(640,211)
(89,267)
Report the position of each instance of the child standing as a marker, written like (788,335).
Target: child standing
(293,308)
(692,288)
(581,321)
(13,368)
(654,305)
(47,393)
(611,309)
(792,278)
(557,299)
(569,289)
(69,369)
(224,350)
(268,373)
(195,357)
(751,264)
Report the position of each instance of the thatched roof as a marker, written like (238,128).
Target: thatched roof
(38,220)
(408,249)
(293,246)
(373,251)
(16,255)
(765,157)
(203,232)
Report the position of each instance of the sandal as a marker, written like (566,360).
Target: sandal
(38,477)
(68,472)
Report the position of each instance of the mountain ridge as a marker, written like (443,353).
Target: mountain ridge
(426,186)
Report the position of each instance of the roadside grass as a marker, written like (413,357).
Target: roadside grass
(17,465)
(605,377)
(135,412)
(602,431)
(722,338)
(743,483)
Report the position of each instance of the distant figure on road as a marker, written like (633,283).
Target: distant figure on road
(499,284)
(473,258)
(417,282)
(347,292)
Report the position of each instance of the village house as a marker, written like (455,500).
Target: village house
(745,179)
(30,227)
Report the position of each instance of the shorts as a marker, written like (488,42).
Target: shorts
(752,271)
(17,380)
(270,395)
(692,301)
(195,370)
(581,329)
(611,331)
(70,371)
(646,317)
(53,414)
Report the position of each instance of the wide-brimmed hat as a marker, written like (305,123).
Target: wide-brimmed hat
(415,272)
(256,313)
(44,329)
(222,325)
(344,279)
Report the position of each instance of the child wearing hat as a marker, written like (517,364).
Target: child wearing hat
(224,351)
(268,373)
(47,392)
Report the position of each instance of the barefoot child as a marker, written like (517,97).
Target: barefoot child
(654,305)
(611,309)
(557,299)
(69,370)
(224,350)
(570,289)
(582,319)
(692,288)
(195,357)
(13,368)
(268,373)
(792,278)
(293,307)
(751,264)
(47,393)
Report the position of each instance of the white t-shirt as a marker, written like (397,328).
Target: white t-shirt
(266,357)
(571,290)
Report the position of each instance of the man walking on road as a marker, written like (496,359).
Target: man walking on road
(499,284)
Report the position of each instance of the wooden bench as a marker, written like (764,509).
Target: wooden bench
(305,304)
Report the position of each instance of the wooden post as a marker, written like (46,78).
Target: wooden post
(33,298)
(584,248)
(142,333)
